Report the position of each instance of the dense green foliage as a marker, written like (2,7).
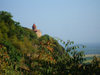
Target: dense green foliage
(23,53)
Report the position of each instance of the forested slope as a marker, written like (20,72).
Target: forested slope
(23,53)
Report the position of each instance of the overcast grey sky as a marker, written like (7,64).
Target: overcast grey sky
(76,20)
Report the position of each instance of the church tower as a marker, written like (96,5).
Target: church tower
(38,32)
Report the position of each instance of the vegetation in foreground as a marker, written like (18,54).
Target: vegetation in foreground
(22,53)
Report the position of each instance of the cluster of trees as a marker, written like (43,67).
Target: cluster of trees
(23,53)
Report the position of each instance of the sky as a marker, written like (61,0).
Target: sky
(75,20)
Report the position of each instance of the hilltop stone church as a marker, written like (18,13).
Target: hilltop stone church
(38,32)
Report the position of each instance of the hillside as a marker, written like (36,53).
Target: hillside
(23,53)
